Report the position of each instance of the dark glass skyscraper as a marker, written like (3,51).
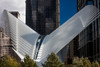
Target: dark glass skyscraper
(89,39)
(42,15)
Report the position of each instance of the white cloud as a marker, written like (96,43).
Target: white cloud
(14,5)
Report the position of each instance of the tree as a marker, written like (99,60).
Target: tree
(53,61)
(69,65)
(86,62)
(7,61)
(77,62)
(95,64)
(81,62)
(3,61)
(28,62)
(11,62)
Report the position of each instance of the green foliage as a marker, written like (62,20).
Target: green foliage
(53,61)
(83,62)
(3,61)
(69,65)
(78,62)
(8,62)
(28,62)
(95,64)
(11,62)
(86,62)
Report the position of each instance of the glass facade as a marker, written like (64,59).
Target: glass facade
(89,38)
(58,40)
(42,15)
(38,45)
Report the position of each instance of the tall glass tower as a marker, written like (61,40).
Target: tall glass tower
(42,15)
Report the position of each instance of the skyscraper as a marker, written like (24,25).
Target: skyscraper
(42,15)
(89,39)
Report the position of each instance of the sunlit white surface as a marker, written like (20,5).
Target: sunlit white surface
(23,37)
(70,29)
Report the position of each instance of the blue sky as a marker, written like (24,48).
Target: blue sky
(68,8)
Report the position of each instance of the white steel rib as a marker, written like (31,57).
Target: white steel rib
(59,38)
(24,38)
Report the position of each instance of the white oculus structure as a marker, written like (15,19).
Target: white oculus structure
(26,41)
